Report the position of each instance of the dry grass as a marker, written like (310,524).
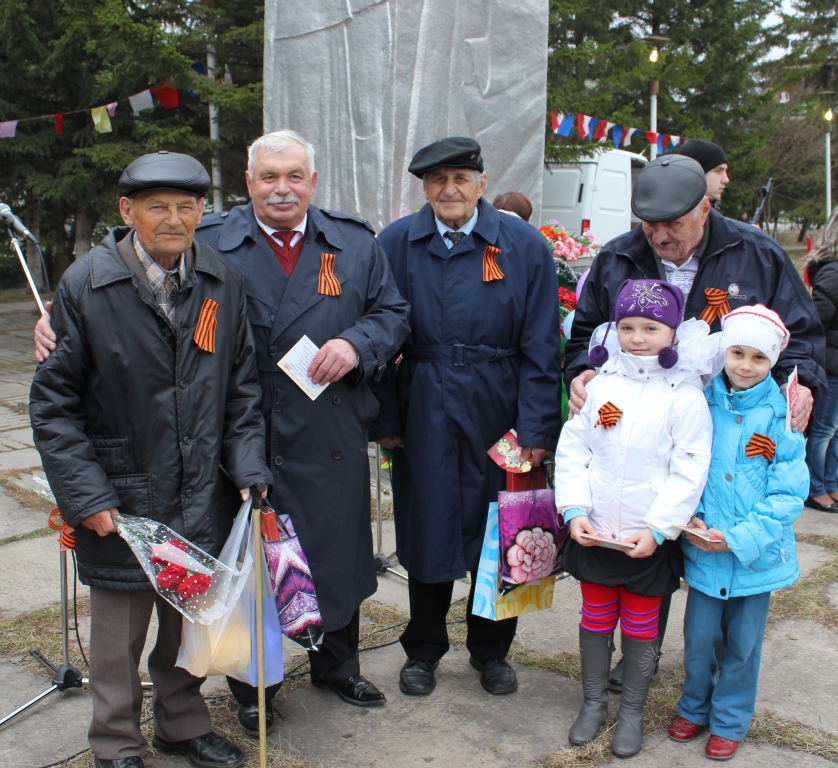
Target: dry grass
(809,599)
(27,499)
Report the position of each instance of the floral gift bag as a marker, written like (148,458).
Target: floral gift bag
(531,534)
(488,600)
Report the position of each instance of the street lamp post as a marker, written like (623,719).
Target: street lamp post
(828,117)
(656,42)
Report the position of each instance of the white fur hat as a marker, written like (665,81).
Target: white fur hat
(757,327)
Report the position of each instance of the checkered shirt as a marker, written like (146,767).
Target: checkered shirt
(164,282)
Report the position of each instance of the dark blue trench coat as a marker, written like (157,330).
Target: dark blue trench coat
(450,414)
(317,450)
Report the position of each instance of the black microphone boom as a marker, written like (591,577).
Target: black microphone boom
(13,222)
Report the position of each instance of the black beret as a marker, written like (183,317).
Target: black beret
(453,152)
(165,170)
(707,154)
(668,188)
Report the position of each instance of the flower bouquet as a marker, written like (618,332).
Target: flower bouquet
(193,582)
(566,247)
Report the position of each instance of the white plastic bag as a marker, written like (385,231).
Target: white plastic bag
(227,646)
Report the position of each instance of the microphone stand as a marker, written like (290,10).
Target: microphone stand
(16,245)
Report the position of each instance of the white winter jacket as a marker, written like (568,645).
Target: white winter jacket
(649,469)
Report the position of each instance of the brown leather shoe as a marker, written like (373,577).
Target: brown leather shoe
(681,729)
(719,748)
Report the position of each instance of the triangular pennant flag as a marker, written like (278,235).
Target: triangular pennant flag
(199,67)
(554,122)
(661,142)
(601,131)
(167,96)
(651,137)
(566,125)
(101,119)
(59,123)
(608,127)
(593,122)
(141,101)
(617,136)
(111,108)
(629,135)
(583,125)
(228,76)
(8,129)
(675,140)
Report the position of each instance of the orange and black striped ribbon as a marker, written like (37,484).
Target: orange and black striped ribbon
(207,323)
(717,305)
(491,270)
(760,445)
(327,283)
(67,538)
(609,415)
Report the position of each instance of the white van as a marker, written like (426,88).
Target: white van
(593,193)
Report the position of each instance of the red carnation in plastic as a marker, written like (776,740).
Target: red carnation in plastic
(171,577)
(194,585)
(157,560)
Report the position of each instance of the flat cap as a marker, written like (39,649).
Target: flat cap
(453,152)
(165,170)
(707,154)
(668,188)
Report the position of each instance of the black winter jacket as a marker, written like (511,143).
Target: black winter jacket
(130,413)
(740,260)
(823,277)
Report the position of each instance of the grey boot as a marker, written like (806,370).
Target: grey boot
(595,650)
(639,659)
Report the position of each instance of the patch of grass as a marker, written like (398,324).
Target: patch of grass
(42,630)
(768,728)
(39,534)
(809,599)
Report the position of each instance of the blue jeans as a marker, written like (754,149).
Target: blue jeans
(726,705)
(822,447)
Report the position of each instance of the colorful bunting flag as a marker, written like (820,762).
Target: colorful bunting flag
(630,134)
(8,129)
(166,95)
(141,101)
(111,108)
(583,123)
(199,67)
(101,119)
(59,123)
(617,136)
(228,76)
(651,137)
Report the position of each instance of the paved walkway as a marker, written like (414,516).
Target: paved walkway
(459,725)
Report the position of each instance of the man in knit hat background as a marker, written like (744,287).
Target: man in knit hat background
(713,161)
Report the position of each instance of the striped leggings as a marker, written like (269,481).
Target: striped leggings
(603,607)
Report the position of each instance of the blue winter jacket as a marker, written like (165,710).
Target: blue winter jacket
(752,500)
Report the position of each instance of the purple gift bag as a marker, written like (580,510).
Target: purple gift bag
(531,534)
(296,600)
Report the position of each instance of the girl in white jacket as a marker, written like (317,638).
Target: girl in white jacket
(630,468)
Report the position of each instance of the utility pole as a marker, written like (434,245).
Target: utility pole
(217,195)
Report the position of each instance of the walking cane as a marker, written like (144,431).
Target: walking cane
(258,564)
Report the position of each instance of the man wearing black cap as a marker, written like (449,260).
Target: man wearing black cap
(713,162)
(483,357)
(148,406)
(718,263)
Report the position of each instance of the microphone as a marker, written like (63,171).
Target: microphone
(13,222)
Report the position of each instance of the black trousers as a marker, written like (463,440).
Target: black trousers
(426,636)
(337,659)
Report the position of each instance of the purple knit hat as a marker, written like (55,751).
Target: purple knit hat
(653,299)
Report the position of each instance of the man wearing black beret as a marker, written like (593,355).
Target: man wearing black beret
(148,406)
(482,357)
(713,162)
(718,263)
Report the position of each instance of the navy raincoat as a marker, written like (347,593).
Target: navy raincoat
(482,357)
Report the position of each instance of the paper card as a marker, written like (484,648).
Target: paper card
(506,454)
(609,543)
(296,363)
(700,532)
(791,397)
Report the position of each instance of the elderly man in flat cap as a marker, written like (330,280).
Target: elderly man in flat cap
(483,357)
(713,162)
(149,406)
(718,263)
(318,273)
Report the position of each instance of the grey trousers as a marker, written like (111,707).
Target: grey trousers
(118,627)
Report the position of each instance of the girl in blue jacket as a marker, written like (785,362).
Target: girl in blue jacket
(758,481)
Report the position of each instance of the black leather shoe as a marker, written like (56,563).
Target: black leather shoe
(207,751)
(355,690)
(496,676)
(812,504)
(249,719)
(417,677)
(122,762)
